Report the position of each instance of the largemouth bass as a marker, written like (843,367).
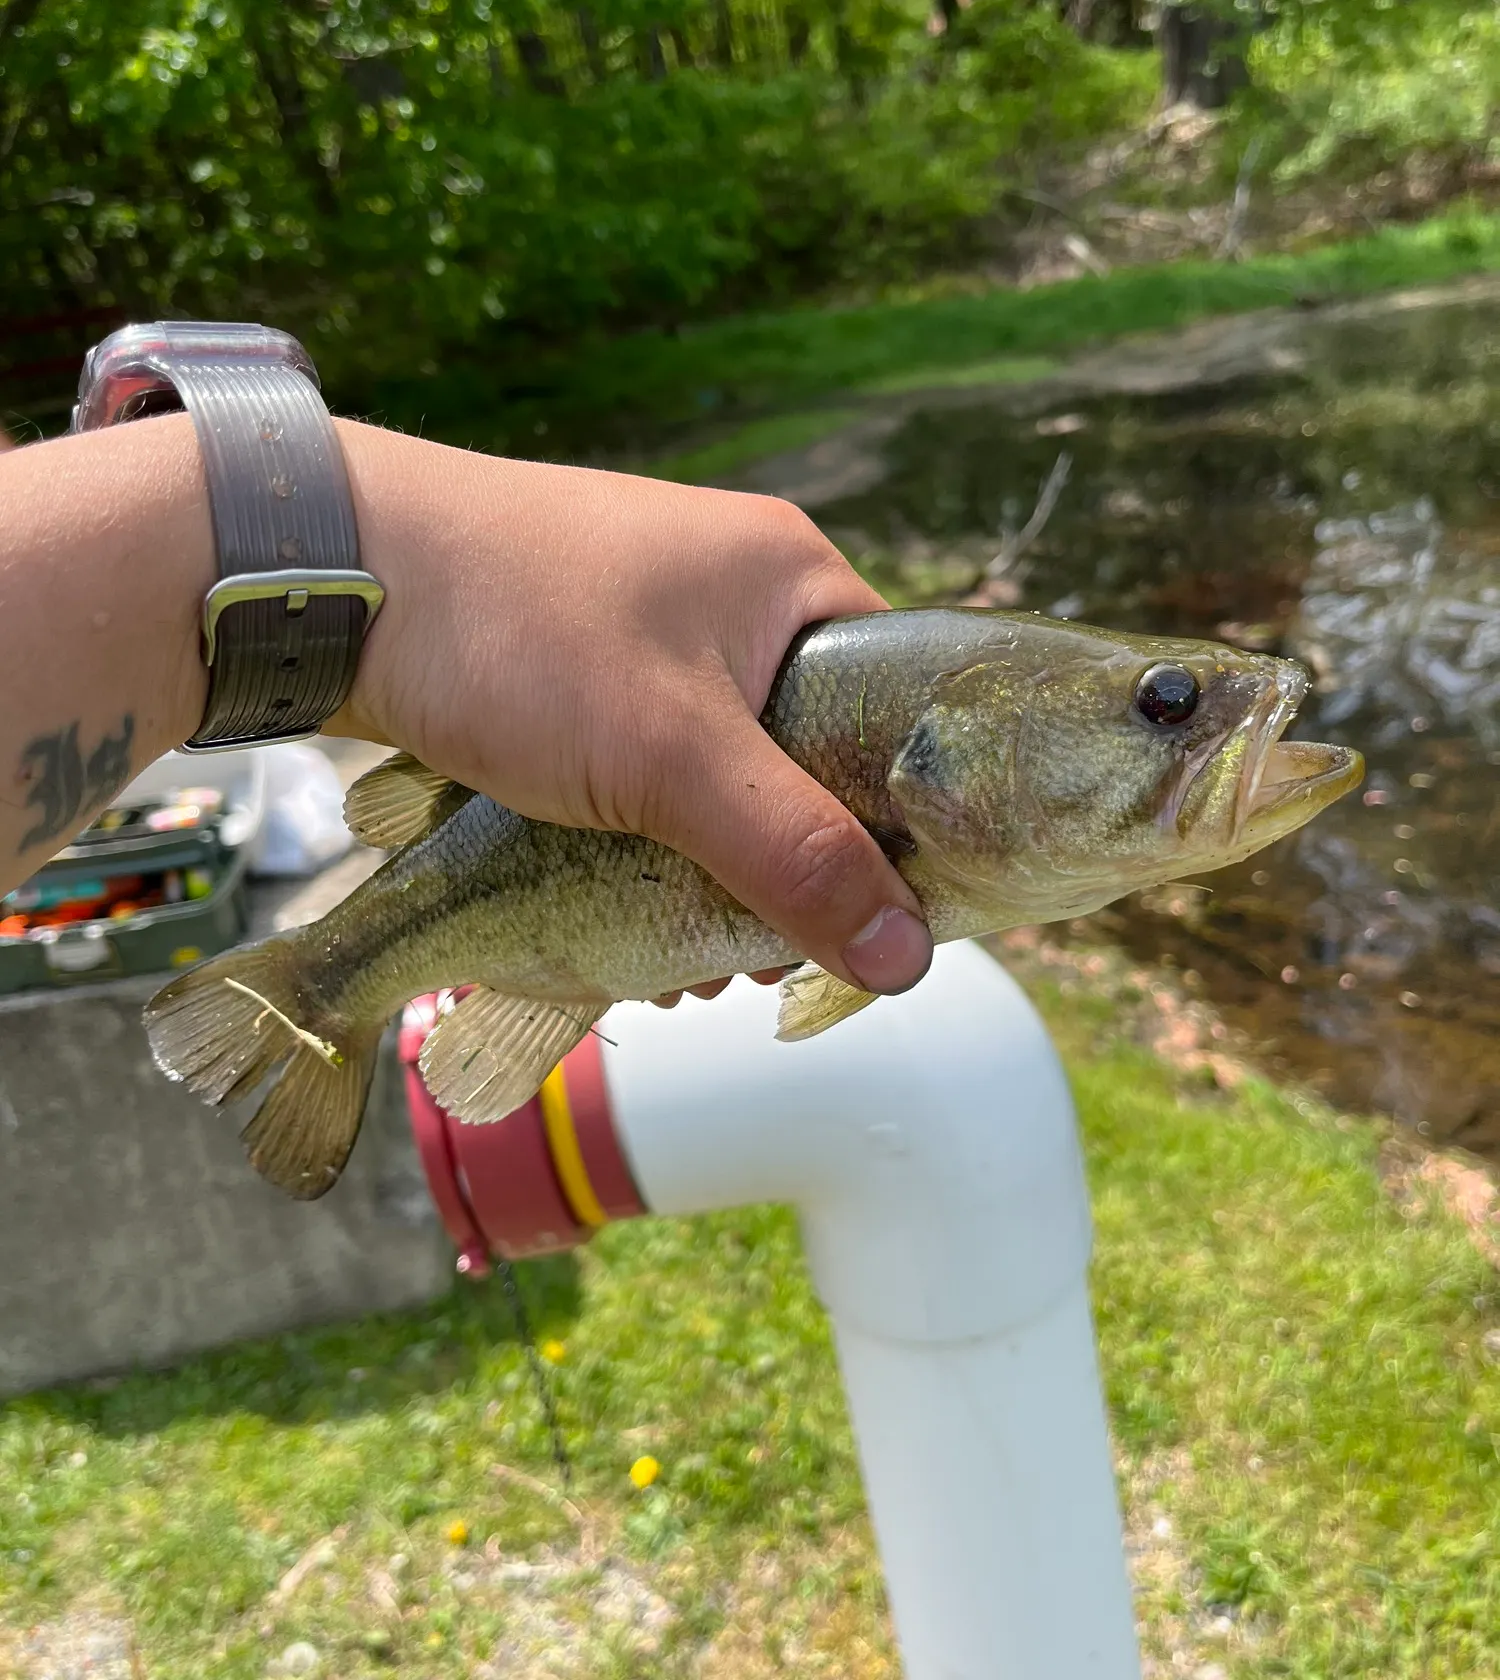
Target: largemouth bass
(1015,769)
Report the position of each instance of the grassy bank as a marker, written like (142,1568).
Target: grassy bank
(649,392)
(1307,1419)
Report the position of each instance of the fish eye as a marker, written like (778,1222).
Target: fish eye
(1167,694)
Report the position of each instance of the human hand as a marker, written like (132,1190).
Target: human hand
(595,649)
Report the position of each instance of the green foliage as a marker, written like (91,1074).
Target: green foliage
(394,177)
(646,386)
(482,194)
(1365,83)
(930,153)
(1234,1569)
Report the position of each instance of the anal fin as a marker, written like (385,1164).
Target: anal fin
(494,1051)
(812,1000)
(401,801)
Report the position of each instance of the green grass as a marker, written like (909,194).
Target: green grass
(757,439)
(1295,1370)
(651,391)
(997,370)
(752,442)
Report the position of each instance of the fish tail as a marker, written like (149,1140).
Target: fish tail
(222,1029)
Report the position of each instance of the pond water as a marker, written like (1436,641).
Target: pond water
(1334,496)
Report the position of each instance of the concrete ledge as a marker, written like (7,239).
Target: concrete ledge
(134,1233)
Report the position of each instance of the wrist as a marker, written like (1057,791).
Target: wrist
(179,500)
(171,562)
(283,625)
(399,524)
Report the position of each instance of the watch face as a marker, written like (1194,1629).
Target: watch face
(130,374)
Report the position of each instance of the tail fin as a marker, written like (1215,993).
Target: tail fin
(221,1029)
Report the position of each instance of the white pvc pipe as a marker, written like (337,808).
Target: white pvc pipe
(930,1147)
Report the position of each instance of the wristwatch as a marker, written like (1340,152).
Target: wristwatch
(284,625)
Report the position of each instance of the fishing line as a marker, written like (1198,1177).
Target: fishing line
(541,1376)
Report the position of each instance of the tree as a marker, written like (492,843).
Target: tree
(1202,53)
(1110,23)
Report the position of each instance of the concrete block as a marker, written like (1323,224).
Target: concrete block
(133,1232)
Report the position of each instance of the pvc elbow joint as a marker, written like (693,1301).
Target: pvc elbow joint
(930,1149)
(927,1143)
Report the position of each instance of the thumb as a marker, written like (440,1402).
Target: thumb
(788,850)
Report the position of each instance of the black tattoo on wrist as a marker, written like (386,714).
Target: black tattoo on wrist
(64,784)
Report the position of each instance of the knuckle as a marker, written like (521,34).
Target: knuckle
(808,576)
(789,535)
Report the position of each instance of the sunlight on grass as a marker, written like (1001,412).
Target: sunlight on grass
(1296,1374)
(752,442)
(998,370)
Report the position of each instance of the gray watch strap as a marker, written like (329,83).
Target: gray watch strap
(284,626)
(281,664)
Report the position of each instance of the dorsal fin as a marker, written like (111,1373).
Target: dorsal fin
(400,801)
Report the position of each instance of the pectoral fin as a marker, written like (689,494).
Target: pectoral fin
(400,801)
(812,1000)
(493,1052)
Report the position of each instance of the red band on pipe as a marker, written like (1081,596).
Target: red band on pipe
(598,1142)
(497,1187)
(430,1129)
(506,1171)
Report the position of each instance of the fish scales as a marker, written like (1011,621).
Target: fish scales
(576,914)
(1015,769)
(538,909)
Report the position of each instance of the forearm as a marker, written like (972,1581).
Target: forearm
(106,551)
(587,648)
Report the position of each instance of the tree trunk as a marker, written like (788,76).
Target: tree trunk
(798,34)
(652,58)
(850,61)
(270,49)
(1112,23)
(723,35)
(593,50)
(1202,57)
(536,63)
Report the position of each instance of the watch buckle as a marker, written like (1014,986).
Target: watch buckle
(294,586)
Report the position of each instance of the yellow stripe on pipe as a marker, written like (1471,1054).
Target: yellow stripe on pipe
(567,1157)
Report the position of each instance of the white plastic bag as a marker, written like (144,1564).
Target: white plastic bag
(304,827)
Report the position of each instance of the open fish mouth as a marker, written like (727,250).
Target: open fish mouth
(1302,769)
(1286,782)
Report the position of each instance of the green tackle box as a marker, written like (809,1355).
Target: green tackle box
(152,940)
(156,938)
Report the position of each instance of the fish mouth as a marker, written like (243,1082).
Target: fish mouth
(1284,783)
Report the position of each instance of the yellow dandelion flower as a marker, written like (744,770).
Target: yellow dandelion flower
(644,1471)
(554,1352)
(458,1533)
